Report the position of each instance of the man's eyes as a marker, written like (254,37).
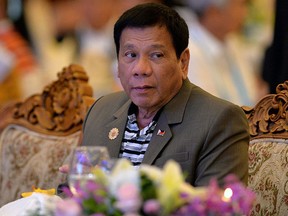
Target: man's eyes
(157,55)
(154,55)
(130,54)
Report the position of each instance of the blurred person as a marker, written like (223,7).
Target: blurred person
(275,63)
(96,48)
(75,31)
(16,13)
(9,78)
(52,24)
(18,63)
(218,63)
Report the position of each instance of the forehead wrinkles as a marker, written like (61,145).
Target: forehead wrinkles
(131,38)
(152,46)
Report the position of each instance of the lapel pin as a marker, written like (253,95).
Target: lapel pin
(113,133)
(160,132)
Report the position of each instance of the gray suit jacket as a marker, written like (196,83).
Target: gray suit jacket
(207,136)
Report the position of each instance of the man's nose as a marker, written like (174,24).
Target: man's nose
(142,67)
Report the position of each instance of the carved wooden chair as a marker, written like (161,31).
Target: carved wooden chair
(39,133)
(268,152)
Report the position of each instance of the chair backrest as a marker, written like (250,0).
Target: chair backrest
(39,133)
(268,152)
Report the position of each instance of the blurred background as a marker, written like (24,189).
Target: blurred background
(40,37)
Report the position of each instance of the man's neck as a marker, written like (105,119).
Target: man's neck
(145,117)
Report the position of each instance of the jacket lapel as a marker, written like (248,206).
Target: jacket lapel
(172,113)
(119,123)
(161,136)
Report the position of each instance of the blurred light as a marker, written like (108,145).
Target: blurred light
(228,193)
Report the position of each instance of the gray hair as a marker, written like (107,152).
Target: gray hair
(199,6)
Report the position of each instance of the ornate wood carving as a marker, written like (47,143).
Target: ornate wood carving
(269,117)
(62,106)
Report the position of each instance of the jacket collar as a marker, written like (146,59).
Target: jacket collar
(172,113)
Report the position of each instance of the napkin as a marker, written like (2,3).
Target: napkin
(40,202)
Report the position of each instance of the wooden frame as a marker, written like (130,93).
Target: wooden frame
(59,110)
(269,117)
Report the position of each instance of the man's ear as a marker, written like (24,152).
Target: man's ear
(184,62)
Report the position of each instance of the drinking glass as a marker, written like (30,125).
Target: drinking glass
(84,160)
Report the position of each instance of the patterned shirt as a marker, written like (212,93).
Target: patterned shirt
(135,141)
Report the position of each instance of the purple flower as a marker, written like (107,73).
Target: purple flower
(67,192)
(197,206)
(151,207)
(92,185)
(68,207)
(243,198)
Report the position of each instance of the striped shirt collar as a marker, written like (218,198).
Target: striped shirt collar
(133,109)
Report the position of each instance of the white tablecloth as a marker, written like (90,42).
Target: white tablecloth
(23,206)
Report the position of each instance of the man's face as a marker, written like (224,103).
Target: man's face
(148,68)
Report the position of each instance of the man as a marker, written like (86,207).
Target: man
(161,115)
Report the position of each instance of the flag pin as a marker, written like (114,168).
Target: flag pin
(160,132)
(113,133)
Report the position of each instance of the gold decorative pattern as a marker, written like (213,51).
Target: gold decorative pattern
(62,106)
(269,117)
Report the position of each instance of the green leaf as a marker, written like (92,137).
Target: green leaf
(148,188)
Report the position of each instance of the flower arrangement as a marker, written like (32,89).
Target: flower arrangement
(150,191)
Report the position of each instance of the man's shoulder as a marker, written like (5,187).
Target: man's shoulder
(206,99)
(116,97)
(111,101)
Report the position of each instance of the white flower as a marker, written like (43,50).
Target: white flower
(123,173)
(128,198)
